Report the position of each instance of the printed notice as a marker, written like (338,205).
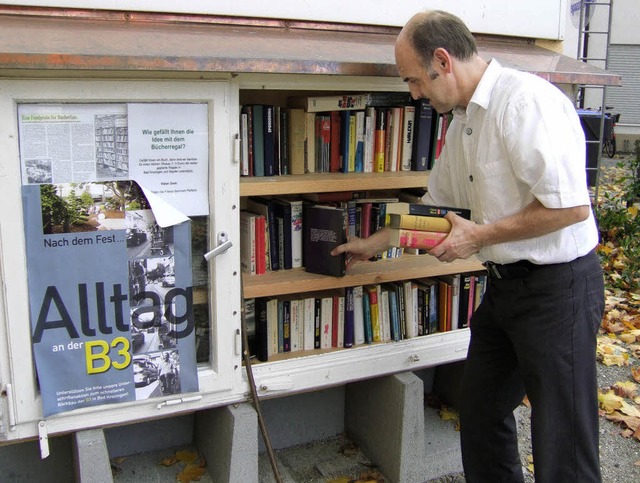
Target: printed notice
(168,152)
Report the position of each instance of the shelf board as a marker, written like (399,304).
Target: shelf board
(325,182)
(297,280)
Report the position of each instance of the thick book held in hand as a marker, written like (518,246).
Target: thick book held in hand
(325,228)
(404,208)
(403,238)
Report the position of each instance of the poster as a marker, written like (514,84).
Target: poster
(110,290)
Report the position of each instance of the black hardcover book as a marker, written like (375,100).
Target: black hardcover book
(404,208)
(324,229)
(262,352)
(425,120)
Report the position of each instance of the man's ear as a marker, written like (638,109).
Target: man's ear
(442,60)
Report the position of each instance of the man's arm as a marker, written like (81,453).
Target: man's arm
(467,238)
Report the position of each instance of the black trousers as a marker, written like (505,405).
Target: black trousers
(535,335)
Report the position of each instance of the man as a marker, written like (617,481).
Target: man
(515,155)
(167,375)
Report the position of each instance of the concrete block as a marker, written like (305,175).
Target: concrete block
(228,438)
(442,446)
(91,458)
(385,417)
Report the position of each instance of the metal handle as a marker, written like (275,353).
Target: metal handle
(223,245)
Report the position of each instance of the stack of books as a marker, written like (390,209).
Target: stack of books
(418,226)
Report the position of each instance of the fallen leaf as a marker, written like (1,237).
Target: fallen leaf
(609,402)
(627,389)
(342,479)
(447,414)
(191,472)
(169,461)
(186,456)
(635,373)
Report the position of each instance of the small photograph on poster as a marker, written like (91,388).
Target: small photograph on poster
(38,171)
(156,374)
(112,146)
(145,238)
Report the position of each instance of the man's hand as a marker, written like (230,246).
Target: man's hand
(363,248)
(462,241)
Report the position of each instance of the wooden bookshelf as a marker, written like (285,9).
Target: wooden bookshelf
(326,182)
(408,267)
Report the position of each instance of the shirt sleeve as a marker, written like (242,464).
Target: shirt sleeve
(545,140)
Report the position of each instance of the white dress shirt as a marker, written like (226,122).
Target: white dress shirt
(519,138)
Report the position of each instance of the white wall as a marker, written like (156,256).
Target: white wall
(536,19)
(626,18)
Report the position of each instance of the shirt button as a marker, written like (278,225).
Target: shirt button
(469,131)
(471,178)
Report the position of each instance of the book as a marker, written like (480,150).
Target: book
(244,143)
(269,140)
(358,316)
(297,332)
(384,296)
(250,320)
(284,325)
(349,317)
(262,333)
(349,101)
(404,208)
(395,148)
(309,142)
(323,143)
(282,140)
(345,140)
(334,149)
(324,228)
(418,222)
(258,140)
(248,112)
(292,219)
(424,129)
(366,314)
(308,324)
(369,139)
(261,244)
(467,283)
(394,314)
(247,242)
(317,322)
(326,321)
(267,208)
(297,134)
(272,326)
(403,238)
(410,308)
(374,311)
(380,141)
(407,137)
(359,147)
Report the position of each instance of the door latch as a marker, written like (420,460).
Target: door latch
(223,245)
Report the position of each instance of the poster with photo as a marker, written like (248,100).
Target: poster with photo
(110,290)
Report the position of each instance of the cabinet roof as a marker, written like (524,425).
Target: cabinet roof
(58,41)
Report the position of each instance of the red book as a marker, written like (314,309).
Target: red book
(261,255)
(404,238)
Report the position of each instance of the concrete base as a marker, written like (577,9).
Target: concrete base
(385,417)
(228,438)
(91,458)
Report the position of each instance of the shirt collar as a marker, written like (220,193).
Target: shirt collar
(482,94)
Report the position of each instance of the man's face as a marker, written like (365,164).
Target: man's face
(422,82)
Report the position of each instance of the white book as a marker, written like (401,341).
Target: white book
(407,137)
(326,322)
(296,326)
(358,316)
(411,316)
(308,324)
(369,140)
(396,141)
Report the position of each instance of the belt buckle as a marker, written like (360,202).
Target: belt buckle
(491,267)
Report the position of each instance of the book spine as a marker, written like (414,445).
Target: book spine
(359,156)
(415,239)
(384,314)
(317,323)
(334,158)
(345,133)
(424,119)
(244,144)
(379,149)
(369,139)
(258,140)
(286,326)
(262,334)
(297,133)
(349,317)
(269,140)
(272,326)
(394,315)
(260,250)
(419,222)
(366,311)
(358,316)
(376,331)
(340,324)
(397,124)
(296,326)
(283,141)
(308,323)
(326,319)
(407,137)
(296,233)
(309,142)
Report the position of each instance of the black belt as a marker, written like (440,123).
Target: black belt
(509,271)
